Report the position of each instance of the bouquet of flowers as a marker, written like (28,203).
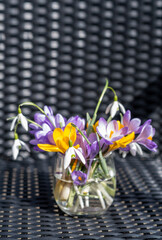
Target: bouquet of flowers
(84,172)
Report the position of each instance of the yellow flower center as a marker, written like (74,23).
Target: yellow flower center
(111,133)
(150,138)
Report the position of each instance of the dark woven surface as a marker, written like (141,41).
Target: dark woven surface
(59,53)
(28,210)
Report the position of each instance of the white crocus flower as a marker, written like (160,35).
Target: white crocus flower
(70,153)
(17,146)
(24,122)
(114,107)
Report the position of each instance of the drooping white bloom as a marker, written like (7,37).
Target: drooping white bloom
(24,122)
(17,146)
(114,107)
(135,148)
(70,153)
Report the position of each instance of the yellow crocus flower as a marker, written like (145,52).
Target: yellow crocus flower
(122,143)
(62,139)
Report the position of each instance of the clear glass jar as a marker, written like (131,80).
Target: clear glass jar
(93,197)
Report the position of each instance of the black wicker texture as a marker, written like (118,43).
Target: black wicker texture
(58,53)
(28,210)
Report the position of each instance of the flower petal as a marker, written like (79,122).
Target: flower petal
(114,108)
(112,126)
(46,127)
(80,156)
(40,134)
(23,121)
(152,146)
(13,123)
(70,133)
(148,122)
(68,155)
(139,149)
(133,149)
(50,137)
(48,110)
(126,118)
(60,121)
(122,108)
(145,133)
(34,126)
(15,148)
(25,145)
(58,135)
(108,108)
(134,124)
(101,129)
(49,148)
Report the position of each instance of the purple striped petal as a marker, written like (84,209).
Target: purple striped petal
(126,118)
(34,141)
(101,128)
(50,137)
(134,124)
(146,132)
(48,110)
(152,146)
(34,126)
(59,121)
(148,122)
(39,118)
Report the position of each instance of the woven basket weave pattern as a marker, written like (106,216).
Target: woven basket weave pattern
(59,53)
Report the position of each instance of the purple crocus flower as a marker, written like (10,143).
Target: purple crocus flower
(132,124)
(79,178)
(79,122)
(88,151)
(148,122)
(145,138)
(111,131)
(48,123)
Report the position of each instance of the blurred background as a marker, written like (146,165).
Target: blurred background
(59,53)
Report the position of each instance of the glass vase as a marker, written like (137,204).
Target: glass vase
(92,197)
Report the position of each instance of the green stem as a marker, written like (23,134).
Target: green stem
(81,133)
(15,130)
(109,119)
(115,95)
(90,126)
(102,159)
(121,117)
(32,104)
(71,197)
(93,168)
(35,105)
(11,118)
(34,123)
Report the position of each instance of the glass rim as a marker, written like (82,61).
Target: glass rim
(89,159)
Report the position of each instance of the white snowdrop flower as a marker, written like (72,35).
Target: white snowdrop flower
(71,152)
(17,146)
(24,122)
(135,148)
(124,154)
(114,107)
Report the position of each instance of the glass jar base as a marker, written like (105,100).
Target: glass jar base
(86,211)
